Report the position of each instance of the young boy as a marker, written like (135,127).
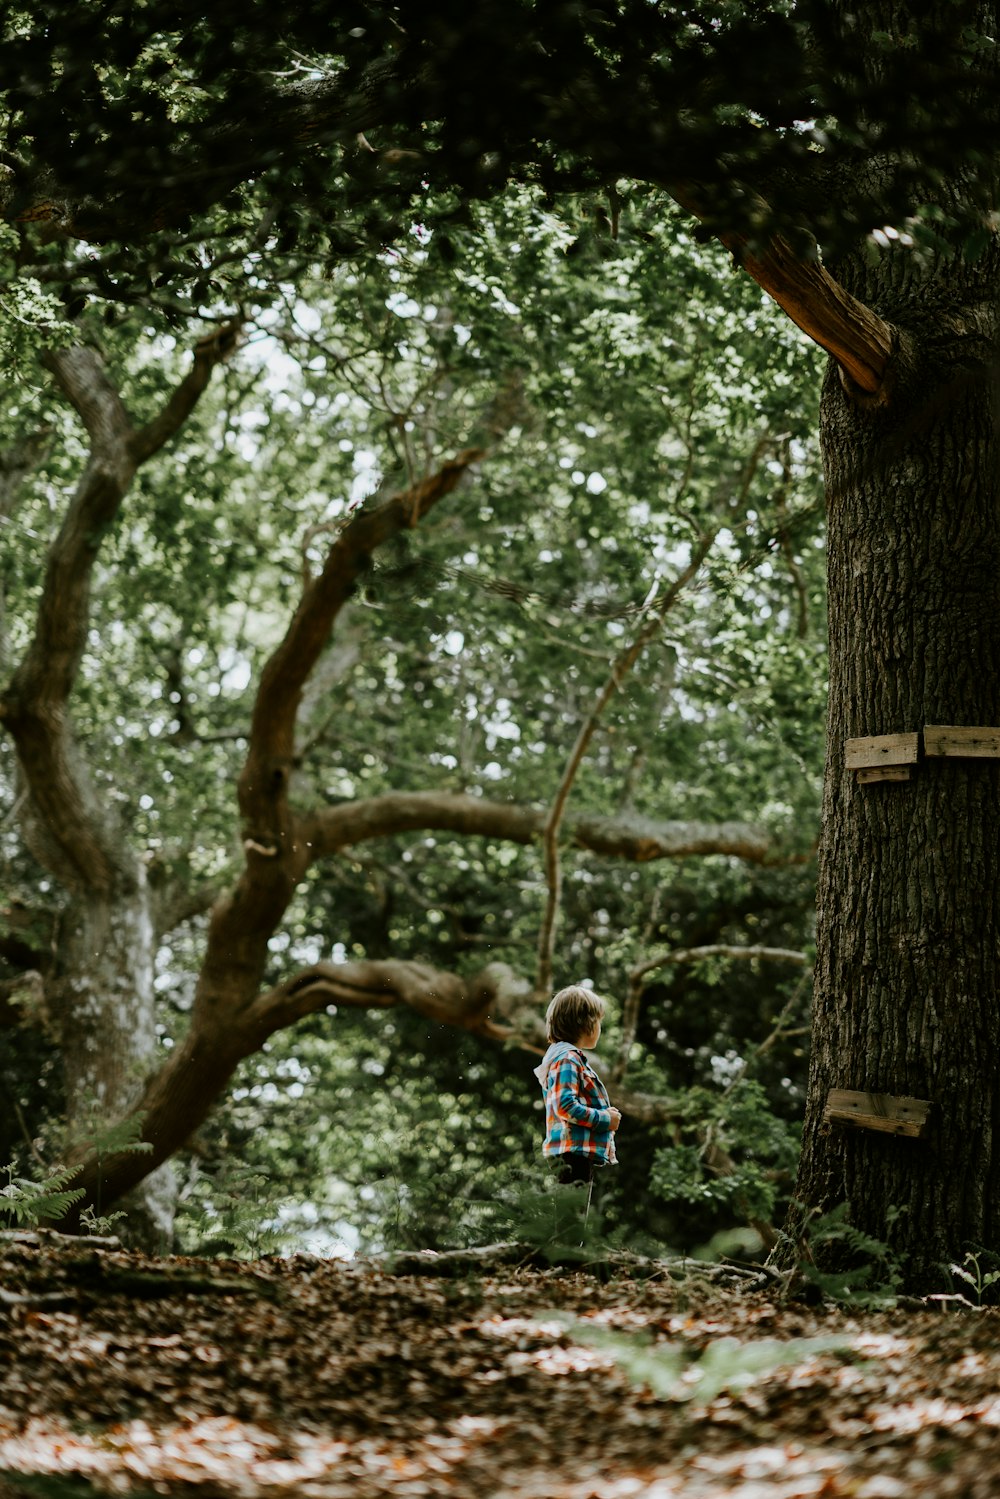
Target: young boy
(580,1123)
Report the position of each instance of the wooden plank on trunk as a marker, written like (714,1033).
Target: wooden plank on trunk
(883,749)
(883,773)
(951,739)
(878,1111)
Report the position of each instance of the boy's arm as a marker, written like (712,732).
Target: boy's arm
(568,1103)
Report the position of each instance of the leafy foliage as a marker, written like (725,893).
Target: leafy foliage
(29,1201)
(855,1268)
(738,1127)
(238,1213)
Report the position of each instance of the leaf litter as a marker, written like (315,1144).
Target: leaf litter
(305,1378)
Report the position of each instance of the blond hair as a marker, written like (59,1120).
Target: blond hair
(572,1013)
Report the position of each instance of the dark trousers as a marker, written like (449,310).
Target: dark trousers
(574,1167)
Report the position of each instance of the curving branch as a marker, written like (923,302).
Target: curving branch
(732,952)
(276,840)
(860,341)
(69,825)
(213,349)
(471,1004)
(623,664)
(272,731)
(625,836)
(484,1003)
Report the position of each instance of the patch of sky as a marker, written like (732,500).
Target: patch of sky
(235,670)
(502,726)
(307,952)
(402,304)
(504,302)
(683,705)
(366,474)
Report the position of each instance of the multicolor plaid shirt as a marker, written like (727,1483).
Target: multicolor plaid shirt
(577,1107)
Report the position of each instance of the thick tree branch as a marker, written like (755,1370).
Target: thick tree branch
(208,352)
(69,825)
(626,836)
(284,677)
(278,851)
(466,1003)
(860,341)
(73,833)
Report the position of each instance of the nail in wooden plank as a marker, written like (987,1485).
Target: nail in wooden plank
(970,743)
(883,749)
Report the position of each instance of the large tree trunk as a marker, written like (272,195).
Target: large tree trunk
(105,1015)
(908,965)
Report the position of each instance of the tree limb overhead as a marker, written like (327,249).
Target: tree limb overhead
(625,836)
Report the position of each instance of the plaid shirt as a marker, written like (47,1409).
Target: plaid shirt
(577,1107)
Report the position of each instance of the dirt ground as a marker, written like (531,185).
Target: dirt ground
(125,1375)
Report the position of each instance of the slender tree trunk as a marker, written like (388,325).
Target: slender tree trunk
(908,966)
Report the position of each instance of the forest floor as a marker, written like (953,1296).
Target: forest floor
(320,1379)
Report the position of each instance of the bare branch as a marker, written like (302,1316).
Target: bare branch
(622,666)
(636,985)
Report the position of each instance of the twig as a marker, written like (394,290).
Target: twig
(622,666)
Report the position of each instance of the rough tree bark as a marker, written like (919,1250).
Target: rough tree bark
(908,967)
